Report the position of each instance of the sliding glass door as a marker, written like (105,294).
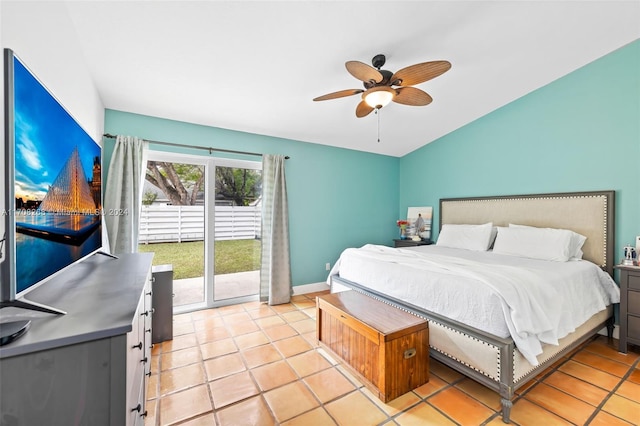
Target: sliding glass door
(202,216)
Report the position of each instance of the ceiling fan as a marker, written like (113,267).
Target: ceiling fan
(382,86)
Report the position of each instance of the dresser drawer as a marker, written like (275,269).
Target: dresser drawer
(633,327)
(633,302)
(634,281)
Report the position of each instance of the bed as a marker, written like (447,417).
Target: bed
(494,354)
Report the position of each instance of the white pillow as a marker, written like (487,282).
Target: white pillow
(535,243)
(470,237)
(577,241)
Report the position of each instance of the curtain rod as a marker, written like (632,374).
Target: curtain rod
(210,149)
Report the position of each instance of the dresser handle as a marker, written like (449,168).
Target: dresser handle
(144,414)
(139,346)
(138,408)
(144,360)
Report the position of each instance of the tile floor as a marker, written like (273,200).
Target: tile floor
(253,364)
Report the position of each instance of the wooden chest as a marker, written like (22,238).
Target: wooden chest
(385,347)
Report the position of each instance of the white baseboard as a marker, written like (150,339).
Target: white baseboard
(309,288)
(616,331)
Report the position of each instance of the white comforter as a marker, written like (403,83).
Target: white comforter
(533,301)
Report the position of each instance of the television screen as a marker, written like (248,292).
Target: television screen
(53,183)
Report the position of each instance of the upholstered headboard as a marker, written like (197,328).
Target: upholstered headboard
(588,213)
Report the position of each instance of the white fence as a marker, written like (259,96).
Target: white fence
(186,223)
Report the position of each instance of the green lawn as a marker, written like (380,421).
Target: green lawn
(188,258)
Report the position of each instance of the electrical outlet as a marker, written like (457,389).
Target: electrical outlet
(327,266)
(638,245)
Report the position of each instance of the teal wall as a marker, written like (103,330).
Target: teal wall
(579,133)
(338,198)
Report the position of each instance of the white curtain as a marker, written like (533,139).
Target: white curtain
(275,273)
(123,193)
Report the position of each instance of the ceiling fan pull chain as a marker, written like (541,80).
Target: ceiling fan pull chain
(378,114)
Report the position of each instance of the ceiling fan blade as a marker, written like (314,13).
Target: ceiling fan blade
(363,72)
(419,73)
(363,109)
(339,94)
(412,96)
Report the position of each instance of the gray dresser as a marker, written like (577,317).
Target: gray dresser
(90,366)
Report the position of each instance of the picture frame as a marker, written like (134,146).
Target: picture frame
(420,219)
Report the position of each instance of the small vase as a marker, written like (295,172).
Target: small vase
(403,233)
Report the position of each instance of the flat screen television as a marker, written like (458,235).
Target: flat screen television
(52,187)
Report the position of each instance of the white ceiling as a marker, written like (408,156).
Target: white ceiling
(256,66)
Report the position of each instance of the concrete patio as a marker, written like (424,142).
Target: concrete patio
(226,286)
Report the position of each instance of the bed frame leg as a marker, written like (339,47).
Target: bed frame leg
(506,410)
(610,326)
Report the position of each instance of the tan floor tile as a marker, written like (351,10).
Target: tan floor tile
(152,410)
(460,407)
(635,375)
(601,363)
(353,379)
(155,364)
(218,348)
(292,346)
(268,322)
(251,340)
(304,326)
(395,406)
(181,378)
(601,348)
(565,406)
(482,393)
(255,304)
(317,417)
(212,334)
(152,386)
(184,405)
(630,391)
(605,419)
(207,323)
(294,316)
(433,385)
(230,309)
(180,358)
(526,386)
(305,304)
(204,314)
(525,412)
(423,415)
(260,355)
(290,400)
(308,363)
(178,318)
(240,328)
(590,375)
(182,328)
(236,318)
(252,412)
(311,337)
(179,342)
(232,389)
(223,366)
(329,384)
(261,312)
(273,375)
(623,408)
(446,373)
(310,312)
(580,389)
(280,332)
(355,409)
(285,307)
(300,298)
(206,420)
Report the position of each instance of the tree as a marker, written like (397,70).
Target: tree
(181,183)
(243,186)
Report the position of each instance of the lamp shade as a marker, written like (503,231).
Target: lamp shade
(377,97)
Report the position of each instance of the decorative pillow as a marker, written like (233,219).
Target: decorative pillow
(535,243)
(577,240)
(470,237)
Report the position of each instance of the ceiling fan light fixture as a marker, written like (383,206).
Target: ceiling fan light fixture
(378,97)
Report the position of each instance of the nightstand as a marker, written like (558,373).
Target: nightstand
(629,306)
(411,243)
